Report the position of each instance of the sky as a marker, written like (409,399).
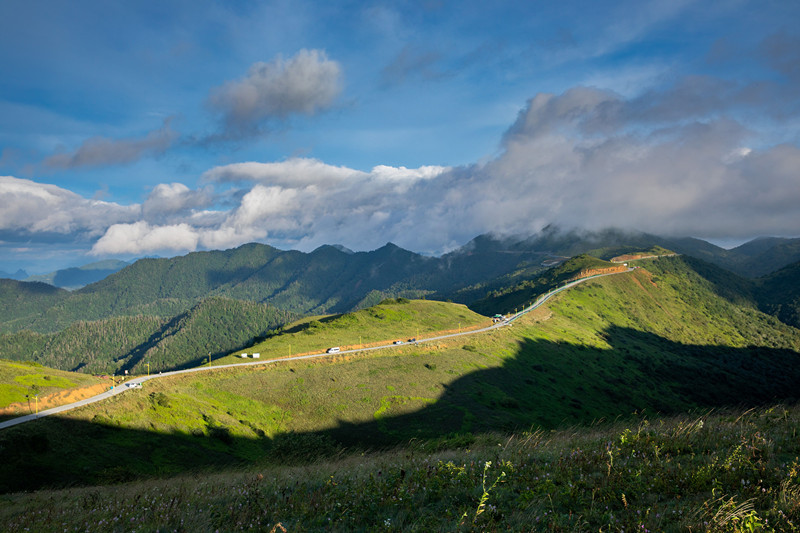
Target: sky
(162,127)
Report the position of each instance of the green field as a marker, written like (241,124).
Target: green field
(394,319)
(19,380)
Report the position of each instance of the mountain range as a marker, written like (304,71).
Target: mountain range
(152,298)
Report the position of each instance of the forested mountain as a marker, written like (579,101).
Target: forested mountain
(325,280)
(779,294)
(214,327)
(21,302)
(524,292)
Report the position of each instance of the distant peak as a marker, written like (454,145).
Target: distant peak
(332,248)
(343,248)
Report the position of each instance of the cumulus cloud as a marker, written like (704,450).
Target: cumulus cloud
(291,173)
(30,208)
(305,84)
(123,239)
(593,159)
(102,151)
(168,201)
(298,202)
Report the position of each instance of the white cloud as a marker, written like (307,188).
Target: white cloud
(306,84)
(592,159)
(290,173)
(30,208)
(168,201)
(140,237)
(297,202)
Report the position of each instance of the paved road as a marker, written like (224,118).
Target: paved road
(141,379)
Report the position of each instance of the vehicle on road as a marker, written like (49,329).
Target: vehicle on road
(335,349)
(398,342)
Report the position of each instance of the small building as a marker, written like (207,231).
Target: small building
(243,356)
(256,355)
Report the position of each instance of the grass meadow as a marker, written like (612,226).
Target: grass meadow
(20,381)
(394,319)
(725,471)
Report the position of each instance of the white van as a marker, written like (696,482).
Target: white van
(335,349)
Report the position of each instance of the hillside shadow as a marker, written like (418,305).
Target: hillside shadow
(554,385)
(546,384)
(724,283)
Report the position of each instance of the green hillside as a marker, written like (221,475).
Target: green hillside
(392,319)
(662,340)
(21,381)
(516,296)
(215,325)
(779,294)
(91,347)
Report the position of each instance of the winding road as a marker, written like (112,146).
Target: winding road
(141,379)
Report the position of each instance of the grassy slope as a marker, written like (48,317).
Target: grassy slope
(655,340)
(729,471)
(19,379)
(399,319)
(507,299)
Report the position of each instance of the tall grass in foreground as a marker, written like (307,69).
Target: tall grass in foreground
(732,471)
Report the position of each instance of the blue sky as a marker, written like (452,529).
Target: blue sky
(162,127)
